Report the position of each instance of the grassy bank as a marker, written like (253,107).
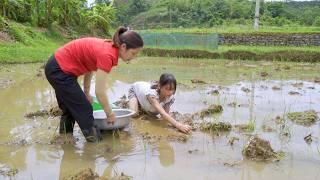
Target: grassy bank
(244,53)
(24,44)
(29,44)
(23,53)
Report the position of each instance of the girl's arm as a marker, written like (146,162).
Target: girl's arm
(86,85)
(101,81)
(166,116)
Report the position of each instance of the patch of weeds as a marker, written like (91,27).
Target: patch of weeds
(18,32)
(53,111)
(232,140)
(220,126)
(246,90)
(198,81)
(38,113)
(279,120)
(66,138)
(308,139)
(294,93)
(300,84)
(193,151)
(276,88)
(264,74)
(267,128)
(83,174)
(258,149)
(305,118)
(120,176)
(151,139)
(214,92)
(4,83)
(233,104)
(317,79)
(286,67)
(249,127)
(212,109)
(8,171)
(179,137)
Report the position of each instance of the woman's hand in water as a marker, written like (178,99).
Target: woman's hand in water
(111,119)
(183,127)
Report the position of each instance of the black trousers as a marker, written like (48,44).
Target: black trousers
(71,99)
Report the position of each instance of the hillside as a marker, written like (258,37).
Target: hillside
(142,14)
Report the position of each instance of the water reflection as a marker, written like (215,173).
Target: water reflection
(166,154)
(100,157)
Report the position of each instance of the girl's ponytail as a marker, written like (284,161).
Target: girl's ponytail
(125,36)
(116,36)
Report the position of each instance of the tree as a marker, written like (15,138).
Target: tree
(100,16)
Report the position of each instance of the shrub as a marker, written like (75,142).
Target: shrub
(18,32)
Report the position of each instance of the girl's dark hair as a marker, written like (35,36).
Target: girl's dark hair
(125,36)
(165,79)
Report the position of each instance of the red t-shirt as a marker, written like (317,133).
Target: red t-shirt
(84,55)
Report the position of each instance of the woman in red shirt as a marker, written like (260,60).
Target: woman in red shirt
(82,57)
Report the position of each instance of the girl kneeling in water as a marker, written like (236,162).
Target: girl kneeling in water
(156,99)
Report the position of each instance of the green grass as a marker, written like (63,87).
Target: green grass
(24,53)
(31,45)
(240,29)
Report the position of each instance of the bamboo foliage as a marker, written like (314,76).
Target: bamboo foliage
(69,13)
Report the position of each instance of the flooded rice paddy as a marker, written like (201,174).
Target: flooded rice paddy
(256,95)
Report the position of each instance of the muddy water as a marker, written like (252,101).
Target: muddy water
(253,92)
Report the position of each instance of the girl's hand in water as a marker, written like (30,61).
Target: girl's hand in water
(111,119)
(184,128)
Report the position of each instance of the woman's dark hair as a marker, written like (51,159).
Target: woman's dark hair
(125,36)
(165,79)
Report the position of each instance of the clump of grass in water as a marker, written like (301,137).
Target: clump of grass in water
(8,171)
(219,126)
(305,118)
(212,109)
(246,127)
(258,149)
(83,174)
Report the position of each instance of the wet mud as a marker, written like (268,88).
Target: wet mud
(52,111)
(231,114)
